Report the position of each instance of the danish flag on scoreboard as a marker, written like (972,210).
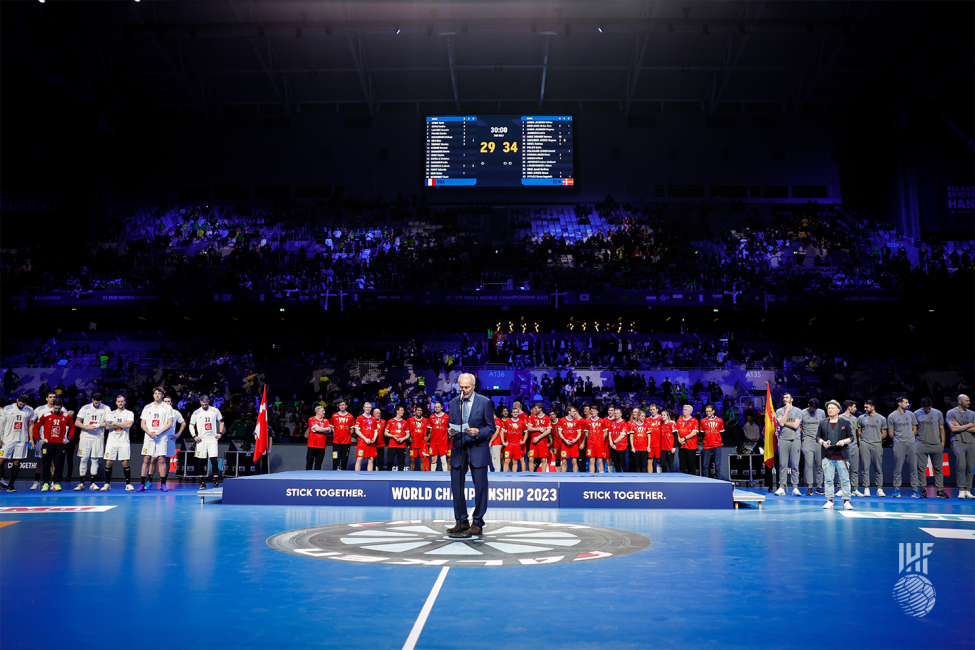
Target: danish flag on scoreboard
(567,181)
(944,464)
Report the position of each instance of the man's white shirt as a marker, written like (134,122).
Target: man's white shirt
(116,433)
(15,423)
(155,416)
(89,415)
(206,423)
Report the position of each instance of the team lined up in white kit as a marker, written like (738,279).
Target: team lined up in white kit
(49,429)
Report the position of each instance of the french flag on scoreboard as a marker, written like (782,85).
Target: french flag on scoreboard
(431,182)
(944,464)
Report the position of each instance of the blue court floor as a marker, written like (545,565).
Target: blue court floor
(163,571)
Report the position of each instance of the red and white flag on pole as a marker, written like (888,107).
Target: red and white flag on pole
(260,447)
(944,464)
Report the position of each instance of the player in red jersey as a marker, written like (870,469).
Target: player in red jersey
(639,440)
(380,440)
(318,429)
(584,441)
(58,429)
(497,443)
(419,432)
(342,422)
(653,427)
(365,428)
(712,427)
(668,441)
(596,442)
(515,433)
(539,432)
(525,444)
(439,438)
(687,430)
(571,434)
(380,464)
(617,438)
(555,449)
(398,437)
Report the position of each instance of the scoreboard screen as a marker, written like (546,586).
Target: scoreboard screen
(498,151)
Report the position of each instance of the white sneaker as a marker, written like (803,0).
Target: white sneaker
(796,492)
(964,494)
(780,492)
(106,487)
(36,486)
(857,493)
(4,482)
(866,492)
(828,505)
(880,492)
(93,487)
(129,488)
(80,487)
(847,505)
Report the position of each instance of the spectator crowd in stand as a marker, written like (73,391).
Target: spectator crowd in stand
(351,244)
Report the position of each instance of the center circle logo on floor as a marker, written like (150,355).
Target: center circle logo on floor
(423,542)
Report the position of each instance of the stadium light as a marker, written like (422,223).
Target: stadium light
(600,27)
(398,30)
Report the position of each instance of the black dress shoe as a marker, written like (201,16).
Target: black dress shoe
(474,530)
(942,494)
(459,528)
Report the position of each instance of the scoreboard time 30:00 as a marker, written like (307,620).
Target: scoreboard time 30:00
(499,151)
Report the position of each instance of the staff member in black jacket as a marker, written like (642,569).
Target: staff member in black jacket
(834,434)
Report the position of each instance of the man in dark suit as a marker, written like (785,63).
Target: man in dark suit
(471,428)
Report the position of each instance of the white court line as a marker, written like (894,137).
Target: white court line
(425,612)
(950,533)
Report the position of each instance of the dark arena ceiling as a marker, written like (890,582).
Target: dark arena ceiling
(393,56)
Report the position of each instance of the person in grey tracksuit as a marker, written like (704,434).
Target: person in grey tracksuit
(788,418)
(873,430)
(851,452)
(930,445)
(903,428)
(812,451)
(961,422)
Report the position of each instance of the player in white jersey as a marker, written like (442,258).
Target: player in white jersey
(90,423)
(157,420)
(173,436)
(118,447)
(14,438)
(206,427)
(40,412)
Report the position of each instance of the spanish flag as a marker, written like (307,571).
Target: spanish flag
(770,425)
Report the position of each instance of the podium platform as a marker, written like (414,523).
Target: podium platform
(512,490)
